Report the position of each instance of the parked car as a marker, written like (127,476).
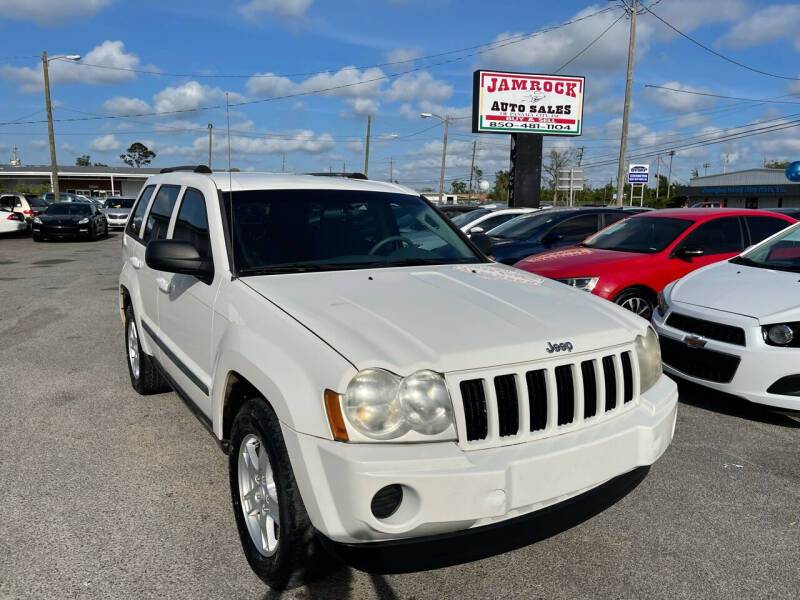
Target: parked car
(117,210)
(70,219)
(708,204)
(631,261)
(790,212)
(453,210)
(50,197)
(636,209)
(735,326)
(484,219)
(553,228)
(11,222)
(329,357)
(27,205)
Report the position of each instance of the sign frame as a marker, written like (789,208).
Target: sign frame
(548,118)
(637,176)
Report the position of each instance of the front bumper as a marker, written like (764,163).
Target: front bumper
(447,489)
(54,231)
(759,367)
(115,223)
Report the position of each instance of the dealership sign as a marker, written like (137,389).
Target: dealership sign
(638,173)
(504,102)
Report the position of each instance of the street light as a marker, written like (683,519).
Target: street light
(46,74)
(446,120)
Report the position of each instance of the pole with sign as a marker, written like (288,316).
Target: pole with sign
(638,177)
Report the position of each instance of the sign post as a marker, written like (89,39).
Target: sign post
(527,106)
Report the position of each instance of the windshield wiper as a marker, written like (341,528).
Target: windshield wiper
(743,260)
(281,268)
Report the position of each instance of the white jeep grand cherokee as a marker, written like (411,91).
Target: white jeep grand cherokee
(374,378)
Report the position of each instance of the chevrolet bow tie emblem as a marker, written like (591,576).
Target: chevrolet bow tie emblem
(694,342)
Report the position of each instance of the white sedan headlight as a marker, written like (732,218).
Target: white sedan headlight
(382,406)
(648,353)
(83,221)
(581,283)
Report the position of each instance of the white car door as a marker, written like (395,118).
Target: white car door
(185,307)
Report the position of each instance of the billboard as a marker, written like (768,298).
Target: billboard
(506,102)
(638,173)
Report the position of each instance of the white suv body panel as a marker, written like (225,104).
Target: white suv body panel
(294,336)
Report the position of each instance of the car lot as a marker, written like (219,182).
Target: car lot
(106,494)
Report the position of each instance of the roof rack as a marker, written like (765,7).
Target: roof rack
(192,168)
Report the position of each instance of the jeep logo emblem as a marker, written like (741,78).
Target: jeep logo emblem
(562,347)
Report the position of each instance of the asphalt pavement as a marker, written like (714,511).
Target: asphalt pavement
(108,494)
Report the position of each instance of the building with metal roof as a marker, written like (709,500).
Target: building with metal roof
(89,181)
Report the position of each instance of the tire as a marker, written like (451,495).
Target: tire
(637,300)
(93,233)
(297,556)
(149,379)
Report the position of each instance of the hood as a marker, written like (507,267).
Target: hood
(63,218)
(577,261)
(763,294)
(447,318)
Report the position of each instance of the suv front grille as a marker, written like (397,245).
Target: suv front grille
(506,406)
(707,329)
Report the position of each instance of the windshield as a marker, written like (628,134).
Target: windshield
(781,253)
(523,227)
(469,217)
(285,231)
(69,208)
(642,234)
(120,203)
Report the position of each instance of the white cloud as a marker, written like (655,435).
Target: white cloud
(119,105)
(50,12)
(255,9)
(177,127)
(399,55)
(418,86)
(303,141)
(105,143)
(355,146)
(348,82)
(691,119)
(189,96)
(108,54)
(765,26)
(38,144)
(678,101)
(361,107)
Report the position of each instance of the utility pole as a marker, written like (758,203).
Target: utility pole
(444,156)
(210,127)
(366,152)
(53,163)
(472,167)
(669,177)
(623,143)
(283,163)
(658,174)
(391,174)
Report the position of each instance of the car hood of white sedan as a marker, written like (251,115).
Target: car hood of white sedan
(447,317)
(763,294)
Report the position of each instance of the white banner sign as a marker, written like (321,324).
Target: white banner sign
(638,173)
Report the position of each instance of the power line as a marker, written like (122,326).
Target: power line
(592,43)
(718,54)
(723,96)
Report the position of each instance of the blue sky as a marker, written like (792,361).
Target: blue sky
(298,47)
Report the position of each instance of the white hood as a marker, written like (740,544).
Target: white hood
(447,318)
(763,294)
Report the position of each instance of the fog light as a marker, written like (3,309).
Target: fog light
(386,501)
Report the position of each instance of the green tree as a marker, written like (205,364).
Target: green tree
(500,191)
(83,161)
(458,187)
(137,155)
(776,164)
(100,165)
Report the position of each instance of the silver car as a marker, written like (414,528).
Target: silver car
(117,210)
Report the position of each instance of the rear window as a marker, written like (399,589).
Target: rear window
(69,208)
(120,203)
(36,201)
(763,227)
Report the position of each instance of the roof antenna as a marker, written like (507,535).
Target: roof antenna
(230,186)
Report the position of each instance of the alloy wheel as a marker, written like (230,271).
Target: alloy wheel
(133,349)
(638,305)
(258,495)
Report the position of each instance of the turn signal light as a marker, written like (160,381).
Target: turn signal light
(333,408)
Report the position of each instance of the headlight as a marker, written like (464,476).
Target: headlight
(663,305)
(83,221)
(581,283)
(382,406)
(37,220)
(648,353)
(781,334)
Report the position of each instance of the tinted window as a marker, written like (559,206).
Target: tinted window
(609,218)
(135,222)
(763,227)
(576,228)
(468,217)
(523,227)
(158,220)
(716,237)
(492,222)
(36,201)
(68,208)
(642,234)
(7,201)
(192,222)
(120,203)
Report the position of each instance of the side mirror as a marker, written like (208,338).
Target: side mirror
(483,242)
(475,230)
(552,238)
(689,252)
(178,256)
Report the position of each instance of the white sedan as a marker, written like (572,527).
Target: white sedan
(734,326)
(11,222)
(482,220)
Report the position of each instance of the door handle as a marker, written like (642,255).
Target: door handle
(164,285)
(136,262)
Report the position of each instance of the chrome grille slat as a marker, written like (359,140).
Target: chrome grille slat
(513,404)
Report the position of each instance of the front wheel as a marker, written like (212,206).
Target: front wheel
(637,301)
(275,531)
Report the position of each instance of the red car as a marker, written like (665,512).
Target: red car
(631,261)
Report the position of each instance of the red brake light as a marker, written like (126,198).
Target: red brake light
(29,212)
(13,217)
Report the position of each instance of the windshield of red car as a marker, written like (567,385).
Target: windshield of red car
(781,253)
(645,235)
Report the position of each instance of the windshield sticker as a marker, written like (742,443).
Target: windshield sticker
(501,274)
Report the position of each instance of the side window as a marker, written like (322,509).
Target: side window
(158,220)
(577,228)
(135,221)
(763,227)
(192,222)
(7,202)
(494,221)
(609,218)
(719,236)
